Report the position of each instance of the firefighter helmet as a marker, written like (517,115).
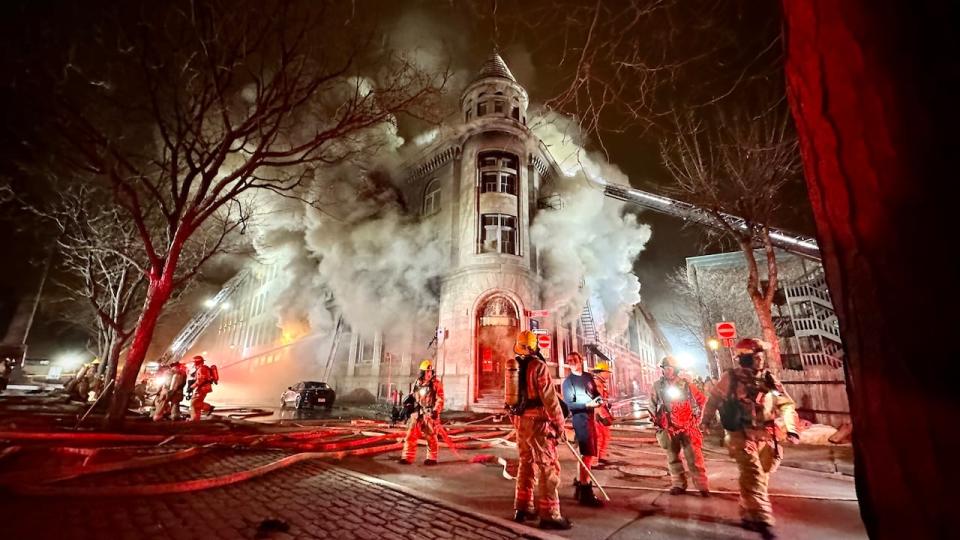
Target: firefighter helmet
(601,366)
(526,343)
(426,364)
(198,359)
(669,361)
(750,345)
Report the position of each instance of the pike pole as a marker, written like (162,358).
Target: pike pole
(446,438)
(580,460)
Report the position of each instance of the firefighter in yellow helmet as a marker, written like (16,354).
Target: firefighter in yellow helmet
(750,399)
(538,418)
(601,373)
(676,409)
(427,394)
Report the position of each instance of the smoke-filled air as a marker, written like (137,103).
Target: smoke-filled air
(587,243)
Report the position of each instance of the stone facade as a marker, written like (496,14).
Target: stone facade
(478,186)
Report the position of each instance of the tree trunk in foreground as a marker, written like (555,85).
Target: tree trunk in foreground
(869,85)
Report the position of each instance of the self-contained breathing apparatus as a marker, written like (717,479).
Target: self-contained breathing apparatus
(515,395)
(738,413)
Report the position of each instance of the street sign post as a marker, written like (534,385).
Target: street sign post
(726,330)
(538,313)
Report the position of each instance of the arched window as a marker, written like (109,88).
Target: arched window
(498,172)
(431,198)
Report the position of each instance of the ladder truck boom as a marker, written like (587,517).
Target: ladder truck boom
(804,246)
(199,323)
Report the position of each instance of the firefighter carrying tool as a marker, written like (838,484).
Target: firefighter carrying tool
(536,414)
(427,397)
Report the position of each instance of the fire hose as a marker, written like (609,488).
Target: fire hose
(338,450)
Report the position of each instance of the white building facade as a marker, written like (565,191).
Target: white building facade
(479,189)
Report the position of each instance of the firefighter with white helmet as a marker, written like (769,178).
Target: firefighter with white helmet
(204,377)
(601,373)
(538,418)
(427,394)
(171,392)
(676,409)
(750,399)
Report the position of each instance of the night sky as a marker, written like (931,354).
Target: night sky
(35,34)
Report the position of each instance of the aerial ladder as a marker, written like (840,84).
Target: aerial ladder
(804,246)
(198,324)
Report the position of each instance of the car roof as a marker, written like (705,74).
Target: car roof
(315,383)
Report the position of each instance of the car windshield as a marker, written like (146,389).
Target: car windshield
(314,385)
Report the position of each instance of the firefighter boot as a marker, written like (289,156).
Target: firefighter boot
(588,497)
(557,524)
(576,489)
(521,516)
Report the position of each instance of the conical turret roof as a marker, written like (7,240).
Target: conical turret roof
(495,67)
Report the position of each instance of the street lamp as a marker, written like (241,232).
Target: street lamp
(714,345)
(209,303)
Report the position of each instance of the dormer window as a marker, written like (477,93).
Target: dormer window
(482,108)
(498,106)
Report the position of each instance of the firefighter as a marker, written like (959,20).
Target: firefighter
(538,419)
(171,393)
(204,377)
(750,399)
(676,409)
(582,396)
(428,394)
(601,374)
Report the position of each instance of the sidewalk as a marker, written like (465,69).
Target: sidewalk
(807,504)
(314,500)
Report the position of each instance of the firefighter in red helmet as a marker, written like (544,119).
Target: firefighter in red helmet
(204,377)
(427,395)
(750,399)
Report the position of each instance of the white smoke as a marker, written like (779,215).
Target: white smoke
(588,244)
(355,250)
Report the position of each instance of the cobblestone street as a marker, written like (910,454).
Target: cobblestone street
(316,500)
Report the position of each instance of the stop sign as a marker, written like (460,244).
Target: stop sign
(543,341)
(726,330)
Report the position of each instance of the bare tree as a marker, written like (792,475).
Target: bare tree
(185,110)
(738,164)
(626,65)
(706,298)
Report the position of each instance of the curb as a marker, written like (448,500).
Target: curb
(522,530)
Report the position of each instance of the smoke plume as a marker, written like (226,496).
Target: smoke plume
(587,242)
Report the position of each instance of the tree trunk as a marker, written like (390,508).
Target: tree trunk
(158,293)
(762,305)
(114,360)
(869,85)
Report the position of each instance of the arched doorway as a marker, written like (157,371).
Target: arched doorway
(497,324)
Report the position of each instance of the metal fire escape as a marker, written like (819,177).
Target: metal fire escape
(804,246)
(199,323)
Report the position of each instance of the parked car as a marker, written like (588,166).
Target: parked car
(306,393)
